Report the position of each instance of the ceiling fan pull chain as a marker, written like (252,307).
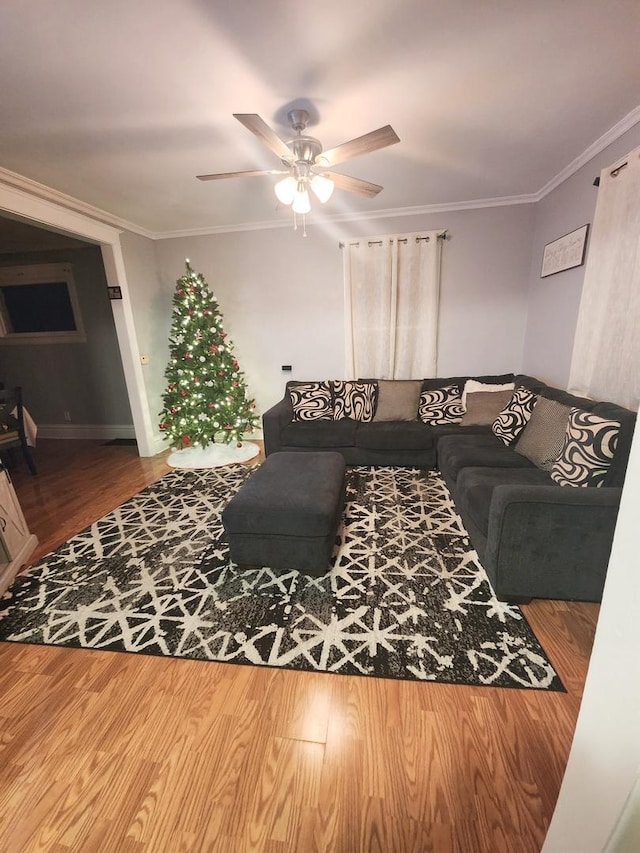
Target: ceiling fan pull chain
(295,221)
(304,224)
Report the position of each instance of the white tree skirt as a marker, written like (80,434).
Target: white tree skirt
(213,456)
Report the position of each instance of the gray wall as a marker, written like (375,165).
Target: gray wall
(85,379)
(554,301)
(281,294)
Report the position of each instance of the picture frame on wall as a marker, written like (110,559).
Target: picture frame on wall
(565,253)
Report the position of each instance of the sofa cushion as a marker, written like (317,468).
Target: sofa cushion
(543,437)
(483,407)
(311,401)
(441,406)
(320,433)
(455,429)
(589,446)
(356,400)
(456,452)
(394,435)
(515,415)
(398,399)
(474,489)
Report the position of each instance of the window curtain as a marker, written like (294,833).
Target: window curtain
(605,363)
(392,287)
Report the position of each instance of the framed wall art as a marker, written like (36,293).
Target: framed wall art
(565,253)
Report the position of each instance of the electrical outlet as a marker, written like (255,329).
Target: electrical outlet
(67,416)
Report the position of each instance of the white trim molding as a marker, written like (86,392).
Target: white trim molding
(615,132)
(96,432)
(320,219)
(11,181)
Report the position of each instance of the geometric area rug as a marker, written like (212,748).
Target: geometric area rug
(405,597)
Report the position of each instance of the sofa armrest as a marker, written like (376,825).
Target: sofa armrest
(550,541)
(273,420)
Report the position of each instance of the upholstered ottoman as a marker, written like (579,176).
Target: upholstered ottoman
(286,515)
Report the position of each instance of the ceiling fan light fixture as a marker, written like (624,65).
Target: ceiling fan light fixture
(322,187)
(301,203)
(285,189)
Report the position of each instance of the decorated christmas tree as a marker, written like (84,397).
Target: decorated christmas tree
(206,397)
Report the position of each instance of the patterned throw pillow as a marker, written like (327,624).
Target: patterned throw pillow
(589,445)
(356,400)
(311,401)
(515,415)
(441,406)
(543,437)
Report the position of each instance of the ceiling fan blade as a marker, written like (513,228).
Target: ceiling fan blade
(353,185)
(379,138)
(250,173)
(268,137)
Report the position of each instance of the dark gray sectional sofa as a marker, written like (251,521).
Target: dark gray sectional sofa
(535,538)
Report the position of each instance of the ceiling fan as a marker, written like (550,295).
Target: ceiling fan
(306,164)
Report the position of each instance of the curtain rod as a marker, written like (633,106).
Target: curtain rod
(441,236)
(613,173)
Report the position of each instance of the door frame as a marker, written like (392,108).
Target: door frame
(23,204)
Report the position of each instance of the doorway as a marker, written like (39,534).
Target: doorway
(20,205)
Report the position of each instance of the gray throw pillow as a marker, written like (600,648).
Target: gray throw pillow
(398,399)
(542,439)
(483,407)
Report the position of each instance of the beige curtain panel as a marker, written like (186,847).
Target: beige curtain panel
(606,354)
(392,287)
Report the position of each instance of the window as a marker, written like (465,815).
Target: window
(39,305)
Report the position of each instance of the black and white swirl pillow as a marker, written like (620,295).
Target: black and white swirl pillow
(589,446)
(356,400)
(441,406)
(515,415)
(311,401)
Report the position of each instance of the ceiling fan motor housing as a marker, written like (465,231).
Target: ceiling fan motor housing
(305,149)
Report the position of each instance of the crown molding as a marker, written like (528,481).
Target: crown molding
(614,133)
(388,213)
(14,181)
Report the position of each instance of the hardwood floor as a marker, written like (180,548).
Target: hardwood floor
(105,751)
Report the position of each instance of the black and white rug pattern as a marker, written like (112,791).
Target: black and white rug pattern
(405,596)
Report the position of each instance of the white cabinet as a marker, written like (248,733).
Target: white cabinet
(16,543)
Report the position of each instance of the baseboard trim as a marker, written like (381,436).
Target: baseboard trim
(98,432)
(94,431)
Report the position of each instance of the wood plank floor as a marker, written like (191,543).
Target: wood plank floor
(103,751)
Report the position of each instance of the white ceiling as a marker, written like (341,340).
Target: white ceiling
(121,103)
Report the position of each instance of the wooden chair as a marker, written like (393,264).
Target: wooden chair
(12,432)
